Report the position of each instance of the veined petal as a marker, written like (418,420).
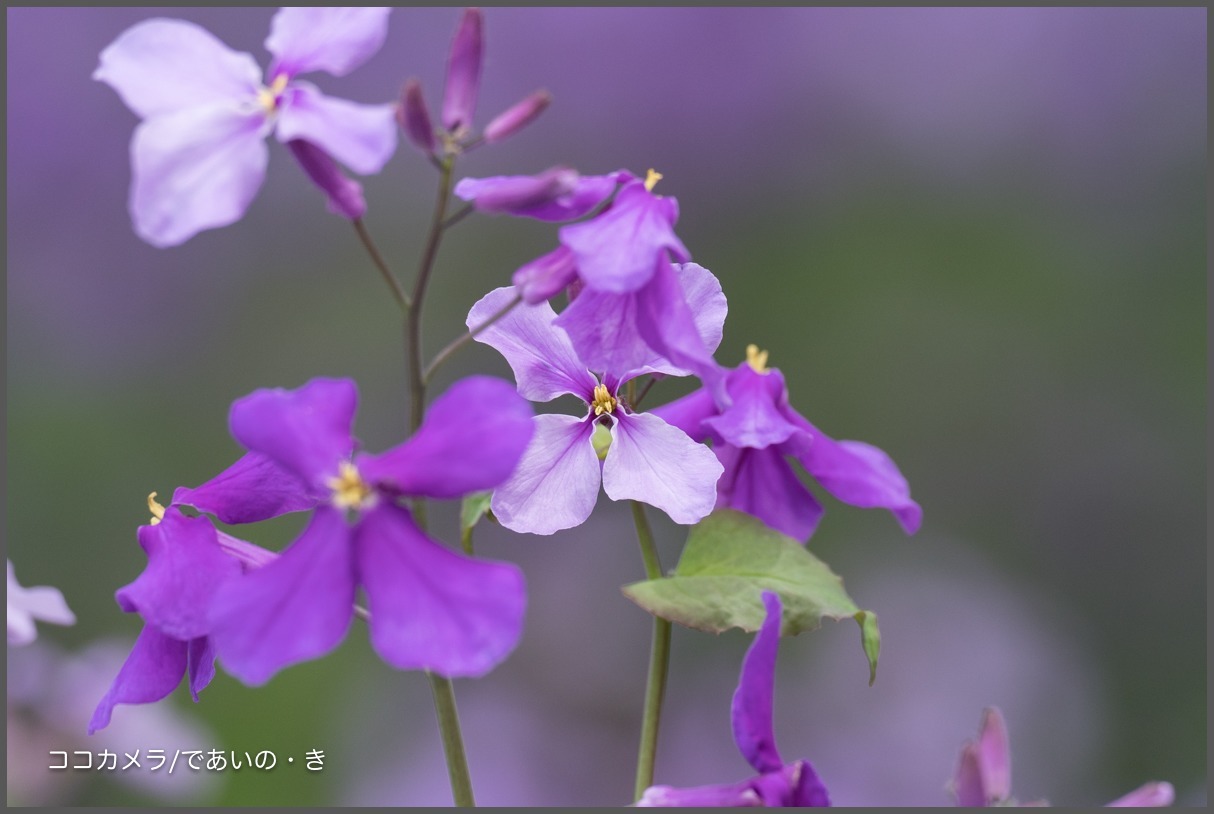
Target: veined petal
(252,489)
(725,795)
(296,608)
(557,481)
(196,168)
(185,568)
(619,250)
(755,418)
(471,440)
(152,670)
(200,664)
(688,413)
(431,608)
(306,431)
(163,66)
(602,329)
(751,710)
(761,483)
(859,474)
(544,362)
(334,39)
(655,463)
(361,137)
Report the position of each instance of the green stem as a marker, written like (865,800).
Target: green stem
(659,662)
(446,353)
(398,293)
(453,740)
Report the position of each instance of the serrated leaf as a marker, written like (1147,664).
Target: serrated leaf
(729,560)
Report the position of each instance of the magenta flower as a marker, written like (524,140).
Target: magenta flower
(430,608)
(984,773)
(556,194)
(41,602)
(778,783)
(755,435)
(199,157)
(188,560)
(557,482)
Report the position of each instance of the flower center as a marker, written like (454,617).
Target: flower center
(155,508)
(603,402)
(757,359)
(268,97)
(651,179)
(350,491)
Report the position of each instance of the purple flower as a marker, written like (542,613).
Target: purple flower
(557,482)
(430,607)
(556,194)
(27,604)
(199,157)
(984,773)
(755,434)
(778,783)
(188,560)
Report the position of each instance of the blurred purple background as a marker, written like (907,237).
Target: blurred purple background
(973,237)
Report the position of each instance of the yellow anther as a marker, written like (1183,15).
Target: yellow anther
(155,508)
(651,179)
(757,359)
(268,97)
(350,491)
(603,402)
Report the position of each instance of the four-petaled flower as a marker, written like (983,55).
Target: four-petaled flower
(199,157)
(557,483)
(430,608)
(755,433)
(778,784)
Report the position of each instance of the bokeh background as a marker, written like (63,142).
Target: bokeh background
(972,237)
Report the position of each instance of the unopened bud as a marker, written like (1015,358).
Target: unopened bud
(545,276)
(517,194)
(414,118)
(515,118)
(464,72)
(345,195)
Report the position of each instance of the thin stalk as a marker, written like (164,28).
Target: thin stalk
(659,662)
(644,392)
(459,215)
(398,293)
(453,740)
(446,353)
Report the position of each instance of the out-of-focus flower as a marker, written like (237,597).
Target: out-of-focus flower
(755,433)
(556,194)
(778,783)
(984,773)
(430,608)
(198,158)
(27,604)
(557,482)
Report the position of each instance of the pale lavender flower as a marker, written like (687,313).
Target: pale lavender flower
(778,784)
(199,156)
(557,481)
(41,602)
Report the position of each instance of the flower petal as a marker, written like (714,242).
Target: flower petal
(668,325)
(655,463)
(185,568)
(751,710)
(27,604)
(995,755)
(252,489)
(755,419)
(808,790)
(556,194)
(164,66)
(335,40)
(152,670)
(540,354)
(194,169)
(557,481)
(967,783)
(200,664)
(345,195)
(1151,795)
(761,483)
(471,440)
(361,137)
(296,608)
(858,474)
(545,276)
(729,795)
(431,608)
(306,431)
(688,413)
(602,330)
(619,250)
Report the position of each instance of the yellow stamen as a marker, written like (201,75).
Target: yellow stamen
(651,179)
(350,491)
(603,402)
(155,508)
(757,359)
(268,97)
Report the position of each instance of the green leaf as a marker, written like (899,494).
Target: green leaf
(471,510)
(729,560)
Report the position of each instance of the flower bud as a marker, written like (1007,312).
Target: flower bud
(414,118)
(464,72)
(545,276)
(345,195)
(515,118)
(518,194)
